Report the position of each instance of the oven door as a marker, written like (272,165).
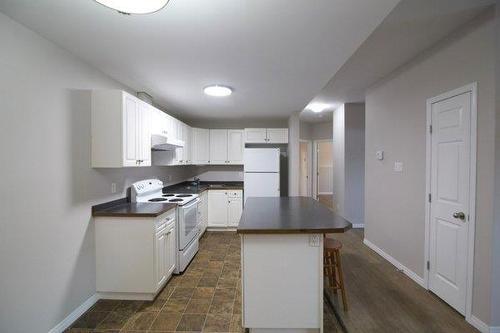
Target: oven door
(188,221)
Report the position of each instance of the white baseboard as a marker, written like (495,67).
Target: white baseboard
(73,316)
(479,324)
(358,225)
(412,275)
(325,193)
(221,229)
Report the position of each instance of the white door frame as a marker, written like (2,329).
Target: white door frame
(316,165)
(309,165)
(472,88)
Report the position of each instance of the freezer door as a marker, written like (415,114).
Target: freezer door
(262,160)
(262,185)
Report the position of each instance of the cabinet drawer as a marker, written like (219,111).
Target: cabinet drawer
(165,219)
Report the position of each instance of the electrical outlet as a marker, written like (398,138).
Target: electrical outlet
(113,187)
(169,178)
(314,240)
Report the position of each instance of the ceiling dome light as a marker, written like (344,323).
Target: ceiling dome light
(218,91)
(134,6)
(317,107)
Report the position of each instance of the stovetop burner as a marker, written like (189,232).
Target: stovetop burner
(175,200)
(158,199)
(168,195)
(184,195)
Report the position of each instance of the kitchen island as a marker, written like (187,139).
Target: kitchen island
(282,263)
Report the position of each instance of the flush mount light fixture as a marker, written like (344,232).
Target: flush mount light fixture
(134,6)
(317,107)
(217,90)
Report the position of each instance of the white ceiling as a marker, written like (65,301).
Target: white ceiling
(277,54)
(411,28)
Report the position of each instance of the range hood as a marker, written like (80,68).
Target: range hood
(163,143)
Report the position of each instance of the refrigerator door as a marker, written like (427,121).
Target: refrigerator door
(262,185)
(262,160)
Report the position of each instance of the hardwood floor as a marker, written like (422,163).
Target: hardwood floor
(382,299)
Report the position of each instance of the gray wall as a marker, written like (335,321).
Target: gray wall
(396,123)
(293,154)
(46,232)
(316,131)
(354,162)
(349,161)
(495,292)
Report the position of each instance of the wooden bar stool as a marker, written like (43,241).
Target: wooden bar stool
(333,267)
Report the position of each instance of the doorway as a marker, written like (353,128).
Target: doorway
(305,168)
(450,201)
(323,172)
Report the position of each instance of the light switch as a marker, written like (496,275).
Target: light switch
(113,187)
(398,166)
(380,155)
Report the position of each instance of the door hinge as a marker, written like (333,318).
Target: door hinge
(430,197)
(428,265)
(430,129)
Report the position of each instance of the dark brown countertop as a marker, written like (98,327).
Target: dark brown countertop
(289,215)
(123,208)
(187,187)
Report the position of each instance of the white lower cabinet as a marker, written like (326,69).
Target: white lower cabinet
(135,256)
(224,208)
(203,212)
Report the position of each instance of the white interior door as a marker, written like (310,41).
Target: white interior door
(450,191)
(304,170)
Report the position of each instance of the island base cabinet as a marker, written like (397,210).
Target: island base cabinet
(291,266)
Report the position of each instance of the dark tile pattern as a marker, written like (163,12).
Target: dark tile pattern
(206,298)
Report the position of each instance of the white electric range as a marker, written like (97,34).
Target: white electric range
(151,191)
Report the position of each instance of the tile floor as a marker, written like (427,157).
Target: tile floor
(206,298)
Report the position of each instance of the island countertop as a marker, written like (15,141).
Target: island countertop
(289,215)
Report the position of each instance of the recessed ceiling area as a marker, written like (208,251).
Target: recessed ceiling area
(277,55)
(413,27)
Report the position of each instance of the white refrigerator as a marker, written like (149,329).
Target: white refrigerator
(262,172)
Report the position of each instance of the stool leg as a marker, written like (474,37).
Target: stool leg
(341,279)
(329,268)
(333,266)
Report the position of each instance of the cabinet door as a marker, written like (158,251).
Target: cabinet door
(277,135)
(235,208)
(217,208)
(144,131)
(200,146)
(130,131)
(255,135)
(161,257)
(188,147)
(170,255)
(171,126)
(235,146)
(218,146)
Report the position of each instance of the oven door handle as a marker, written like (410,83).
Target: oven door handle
(191,204)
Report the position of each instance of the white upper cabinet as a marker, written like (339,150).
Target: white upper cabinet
(255,135)
(121,130)
(188,145)
(226,146)
(235,146)
(218,146)
(277,135)
(266,135)
(200,146)
(159,122)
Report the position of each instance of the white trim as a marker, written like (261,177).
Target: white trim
(310,166)
(127,296)
(315,172)
(480,325)
(325,193)
(412,275)
(358,225)
(73,316)
(472,88)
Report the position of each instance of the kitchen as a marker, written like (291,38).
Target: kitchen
(170,155)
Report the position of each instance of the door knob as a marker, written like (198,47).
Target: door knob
(459,215)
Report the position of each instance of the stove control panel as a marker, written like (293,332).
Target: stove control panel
(147,186)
